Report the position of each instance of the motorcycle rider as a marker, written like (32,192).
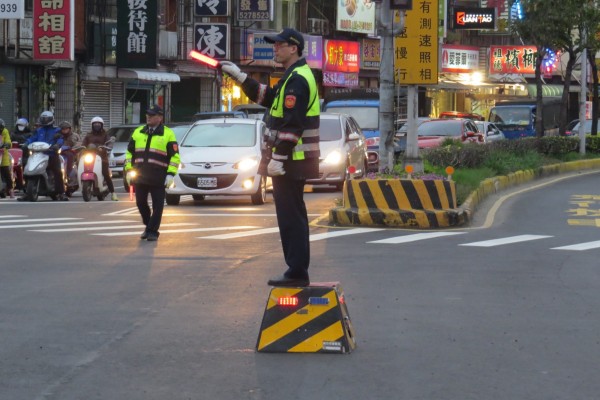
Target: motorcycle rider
(70,140)
(5,166)
(50,134)
(99,137)
(21,132)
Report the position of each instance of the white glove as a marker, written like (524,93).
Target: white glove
(129,177)
(233,71)
(169,181)
(275,168)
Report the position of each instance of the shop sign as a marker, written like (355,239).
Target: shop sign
(356,16)
(255,10)
(212,39)
(416,47)
(12,9)
(211,8)
(259,52)
(342,79)
(371,54)
(53,33)
(474,18)
(341,56)
(512,59)
(502,9)
(137,26)
(459,59)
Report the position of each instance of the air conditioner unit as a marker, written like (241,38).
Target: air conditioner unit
(318,26)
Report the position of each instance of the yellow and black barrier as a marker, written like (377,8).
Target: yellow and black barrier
(312,319)
(412,203)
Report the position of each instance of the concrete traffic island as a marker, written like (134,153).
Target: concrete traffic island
(408,203)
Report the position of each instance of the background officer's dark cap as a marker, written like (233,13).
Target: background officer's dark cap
(155,110)
(287,35)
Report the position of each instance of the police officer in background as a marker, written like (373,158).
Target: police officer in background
(294,125)
(153,155)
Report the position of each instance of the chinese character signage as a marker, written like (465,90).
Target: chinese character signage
(212,39)
(255,10)
(512,59)
(356,16)
(212,8)
(416,47)
(53,33)
(459,59)
(371,54)
(136,33)
(259,52)
(474,18)
(340,63)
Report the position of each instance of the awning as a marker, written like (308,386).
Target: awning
(148,75)
(551,90)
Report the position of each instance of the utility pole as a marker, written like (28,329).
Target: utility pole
(386,31)
(583,94)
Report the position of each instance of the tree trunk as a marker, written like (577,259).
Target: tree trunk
(539,126)
(592,61)
(565,95)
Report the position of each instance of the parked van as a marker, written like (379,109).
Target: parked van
(516,118)
(460,114)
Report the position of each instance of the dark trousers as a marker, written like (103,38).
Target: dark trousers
(107,177)
(157,193)
(7,178)
(293,224)
(54,165)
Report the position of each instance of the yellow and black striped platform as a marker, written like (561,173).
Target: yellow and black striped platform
(412,203)
(312,319)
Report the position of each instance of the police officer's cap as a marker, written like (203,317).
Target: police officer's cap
(287,35)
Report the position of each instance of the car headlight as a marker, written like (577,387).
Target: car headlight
(246,164)
(333,158)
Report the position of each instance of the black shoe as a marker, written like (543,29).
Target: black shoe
(152,236)
(62,197)
(144,234)
(22,198)
(283,280)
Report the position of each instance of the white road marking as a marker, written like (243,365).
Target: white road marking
(36,220)
(506,240)
(12,216)
(415,237)
(241,234)
(580,246)
(63,224)
(104,228)
(327,235)
(227,228)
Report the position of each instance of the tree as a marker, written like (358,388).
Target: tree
(590,24)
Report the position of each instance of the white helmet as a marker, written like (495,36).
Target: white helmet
(47,118)
(22,122)
(98,119)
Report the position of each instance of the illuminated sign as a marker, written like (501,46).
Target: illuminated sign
(416,47)
(340,63)
(512,59)
(355,16)
(459,59)
(53,30)
(474,18)
(371,54)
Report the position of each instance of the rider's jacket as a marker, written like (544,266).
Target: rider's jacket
(49,134)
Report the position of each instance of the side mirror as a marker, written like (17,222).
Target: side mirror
(353,136)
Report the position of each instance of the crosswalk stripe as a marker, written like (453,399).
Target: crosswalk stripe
(227,228)
(241,234)
(127,211)
(327,235)
(580,247)
(36,220)
(63,224)
(506,240)
(415,237)
(11,216)
(104,228)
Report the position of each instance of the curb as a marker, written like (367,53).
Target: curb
(429,204)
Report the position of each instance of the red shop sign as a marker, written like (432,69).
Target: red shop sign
(341,56)
(52,30)
(512,59)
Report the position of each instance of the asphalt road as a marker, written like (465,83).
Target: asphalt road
(505,309)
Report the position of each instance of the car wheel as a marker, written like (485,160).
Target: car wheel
(260,197)
(173,199)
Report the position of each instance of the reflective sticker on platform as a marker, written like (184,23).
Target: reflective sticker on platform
(332,346)
(290,101)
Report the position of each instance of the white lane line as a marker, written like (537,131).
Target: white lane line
(126,211)
(241,234)
(63,224)
(227,228)
(415,237)
(12,216)
(104,228)
(580,246)
(36,220)
(355,231)
(506,240)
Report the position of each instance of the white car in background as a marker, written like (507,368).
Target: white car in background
(221,157)
(491,132)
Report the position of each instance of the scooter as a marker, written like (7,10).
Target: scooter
(71,174)
(17,157)
(90,177)
(40,180)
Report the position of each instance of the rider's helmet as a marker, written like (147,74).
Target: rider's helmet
(47,118)
(97,124)
(22,124)
(65,124)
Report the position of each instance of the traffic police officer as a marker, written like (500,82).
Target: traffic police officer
(294,125)
(153,157)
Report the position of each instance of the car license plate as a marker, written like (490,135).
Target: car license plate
(207,182)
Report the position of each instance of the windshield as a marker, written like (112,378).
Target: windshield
(330,130)
(121,134)
(440,128)
(180,131)
(505,116)
(367,117)
(220,135)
